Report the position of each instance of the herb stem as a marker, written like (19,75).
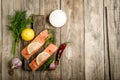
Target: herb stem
(18,22)
(14,47)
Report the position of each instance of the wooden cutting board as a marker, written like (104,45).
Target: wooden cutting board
(38,25)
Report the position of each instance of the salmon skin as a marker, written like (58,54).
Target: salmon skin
(43,57)
(40,38)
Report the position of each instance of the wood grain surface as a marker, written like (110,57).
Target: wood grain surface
(0,42)
(92,28)
(113,14)
(94,47)
(73,32)
(49,6)
(7,9)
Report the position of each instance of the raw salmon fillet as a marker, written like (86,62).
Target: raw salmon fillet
(43,57)
(40,38)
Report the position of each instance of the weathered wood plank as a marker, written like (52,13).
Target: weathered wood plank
(46,6)
(0,41)
(106,48)
(73,31)
(113,7)
(38,26)
(94,40)
(17,73)
(28,6)
(32,7)
(41,7)
(7,9)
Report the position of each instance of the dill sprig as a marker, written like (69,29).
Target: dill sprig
(18,22)
(47,64)
(51,39)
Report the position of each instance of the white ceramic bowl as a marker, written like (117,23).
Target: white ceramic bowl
(58,18)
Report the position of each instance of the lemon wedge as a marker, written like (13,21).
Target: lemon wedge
(41,57)
(33,46)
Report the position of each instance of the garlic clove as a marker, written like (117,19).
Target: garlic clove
(52,66)
(16,63)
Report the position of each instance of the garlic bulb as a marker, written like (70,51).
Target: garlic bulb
(52,66)
(16,63)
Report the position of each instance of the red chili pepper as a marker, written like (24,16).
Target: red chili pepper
(59,52)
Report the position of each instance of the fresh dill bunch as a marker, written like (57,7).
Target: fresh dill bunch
(18,22)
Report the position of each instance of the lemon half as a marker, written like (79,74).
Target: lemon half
(41,57)
(33,46)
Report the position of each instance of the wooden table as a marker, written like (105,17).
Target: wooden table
(92,29)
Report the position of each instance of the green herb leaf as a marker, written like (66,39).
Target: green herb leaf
(51,39)
(18,22)
(47,64)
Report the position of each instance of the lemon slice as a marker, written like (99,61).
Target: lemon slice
(41,57)
(33,46)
